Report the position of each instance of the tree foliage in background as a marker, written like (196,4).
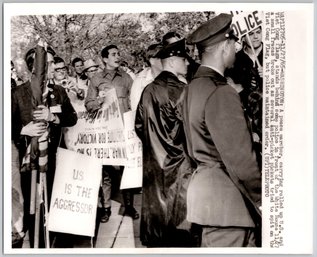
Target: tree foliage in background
(73,35)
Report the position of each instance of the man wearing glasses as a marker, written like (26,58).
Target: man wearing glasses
(60,77)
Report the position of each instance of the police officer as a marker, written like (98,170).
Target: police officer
(224,194)
(166,169)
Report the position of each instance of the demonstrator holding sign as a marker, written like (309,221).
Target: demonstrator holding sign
(247,75)
(36,127)
(111,77)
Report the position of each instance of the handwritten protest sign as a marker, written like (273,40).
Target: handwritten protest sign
(244,22)
(75,193)
(132,174)
(100,135)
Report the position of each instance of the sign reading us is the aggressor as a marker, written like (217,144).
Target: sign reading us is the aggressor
(245,22)
(75,191)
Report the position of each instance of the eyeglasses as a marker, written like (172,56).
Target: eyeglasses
(91,71)
(61,69)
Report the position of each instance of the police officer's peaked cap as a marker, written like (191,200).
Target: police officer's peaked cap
(177,48)
(213,31)
(153,50)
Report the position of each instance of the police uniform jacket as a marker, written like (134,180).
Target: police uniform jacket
(225,189)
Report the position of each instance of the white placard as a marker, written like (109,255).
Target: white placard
(75,193)
(133,171)
(100,135)
(244,22)
(297,135)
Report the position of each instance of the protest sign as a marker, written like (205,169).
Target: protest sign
(244,22)
(75,193)
(132,174)
(100,134)
(287,172)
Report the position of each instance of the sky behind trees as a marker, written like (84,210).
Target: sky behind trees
(73,35)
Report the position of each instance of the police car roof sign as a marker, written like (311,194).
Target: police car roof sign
(244,22)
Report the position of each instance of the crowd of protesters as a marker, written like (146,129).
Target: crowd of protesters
(200,122)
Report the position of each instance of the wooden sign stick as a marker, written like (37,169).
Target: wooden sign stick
(253,51)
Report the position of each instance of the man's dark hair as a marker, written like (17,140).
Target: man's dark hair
(77,59)
(29,57)
(58,59)
(169,35)
(243,38)
(105,51)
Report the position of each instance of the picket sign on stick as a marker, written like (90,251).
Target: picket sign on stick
(245,22)
(253,51)
(133,170)
(75,191)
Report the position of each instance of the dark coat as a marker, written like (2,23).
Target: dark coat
(166,169)
(22,111)
(244,71)
(22,114)
(225,189)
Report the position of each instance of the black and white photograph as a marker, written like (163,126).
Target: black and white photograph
(158,128)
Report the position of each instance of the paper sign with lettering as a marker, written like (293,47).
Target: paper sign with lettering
(101,134)
(132,174)
(244,22)
(75,193)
